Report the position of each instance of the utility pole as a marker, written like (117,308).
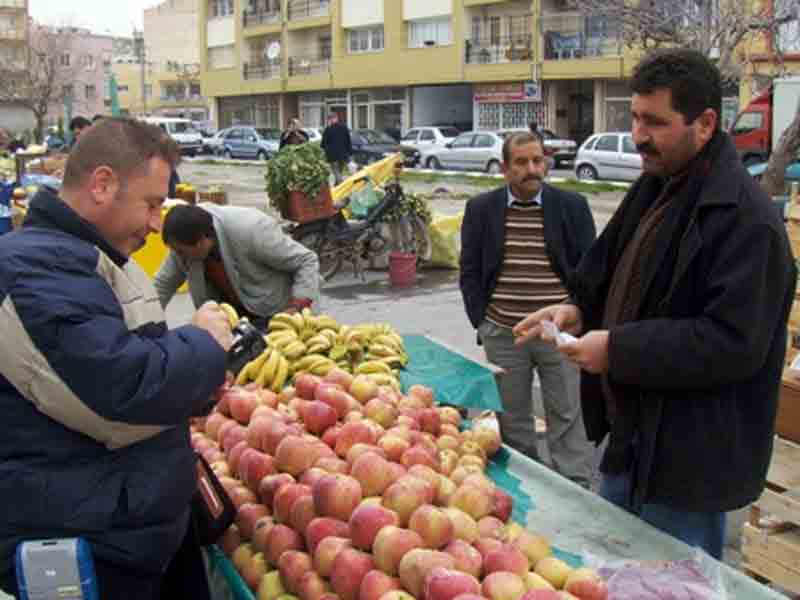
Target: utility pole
(138,40)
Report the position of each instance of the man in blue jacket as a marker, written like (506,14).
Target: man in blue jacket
(95,392)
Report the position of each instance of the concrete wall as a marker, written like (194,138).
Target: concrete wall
(16,119)
(441,104)
(171,33)
(359,13)
(426,9)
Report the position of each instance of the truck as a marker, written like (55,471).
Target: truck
(758,127)
(182,131)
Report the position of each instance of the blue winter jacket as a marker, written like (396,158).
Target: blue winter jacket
(95,396)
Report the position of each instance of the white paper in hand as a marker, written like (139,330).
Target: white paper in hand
(561,337)
(795,366)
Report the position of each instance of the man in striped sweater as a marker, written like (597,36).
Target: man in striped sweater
(520,245)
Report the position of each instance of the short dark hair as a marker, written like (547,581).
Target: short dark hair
(123,145)
(96,118)
(519,138)
(79,123)
(692,78)
(187,225)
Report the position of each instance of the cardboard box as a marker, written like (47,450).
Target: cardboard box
(787,423)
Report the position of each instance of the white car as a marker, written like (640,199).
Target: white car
(472,151)
(610,155)
(182,131)
(313,133)
(212,144)
(559,149)
(423,138)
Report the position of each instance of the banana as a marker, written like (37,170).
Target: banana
(373,366)
(319,340)
(309,360)
(288,319)
(307,333)
(244,375)
(284,343)
(280,326)
(388,342)
(322,368)
(338,352)
(326,322)
(233,316)
(281,375)
(384,379)
(294,350)
(330,335)
(267,373)
(276,336)
(299,321)
(382,350)
(394,362)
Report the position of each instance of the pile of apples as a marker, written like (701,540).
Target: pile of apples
(346,490)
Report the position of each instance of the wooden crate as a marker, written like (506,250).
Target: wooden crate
(771,538)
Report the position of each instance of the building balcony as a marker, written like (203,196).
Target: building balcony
(571,36)
(256,19)
(12,4)
(306,9)
(498,50)
(186,99)
(299,65)
(12,34)
(269,69)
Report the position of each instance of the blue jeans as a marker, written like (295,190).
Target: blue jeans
(703,529)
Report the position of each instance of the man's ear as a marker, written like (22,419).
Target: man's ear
(706,125)
(104,185)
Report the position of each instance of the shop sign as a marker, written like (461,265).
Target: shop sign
(517,91)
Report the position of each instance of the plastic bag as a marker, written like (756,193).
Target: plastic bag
(694,578)
(445,231)
(363,200)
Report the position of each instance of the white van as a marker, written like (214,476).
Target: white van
(182,131)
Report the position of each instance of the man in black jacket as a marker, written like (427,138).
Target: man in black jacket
(520,246)
(682,303)
(337,145)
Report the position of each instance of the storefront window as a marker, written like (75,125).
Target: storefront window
(618,115)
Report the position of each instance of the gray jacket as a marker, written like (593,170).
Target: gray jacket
(265,266)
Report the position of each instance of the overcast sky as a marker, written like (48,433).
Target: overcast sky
(117,17)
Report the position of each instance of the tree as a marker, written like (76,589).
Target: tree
(723,30)
(46,77)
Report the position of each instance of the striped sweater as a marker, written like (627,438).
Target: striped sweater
(526,282)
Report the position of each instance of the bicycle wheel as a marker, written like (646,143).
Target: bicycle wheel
(331,256)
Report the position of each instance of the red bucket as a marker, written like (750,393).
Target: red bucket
(403,268)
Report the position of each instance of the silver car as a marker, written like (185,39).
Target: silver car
(473,151)
(608,156)
(425,137)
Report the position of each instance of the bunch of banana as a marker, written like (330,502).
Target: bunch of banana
(388,348)
(269,370)
(233,316)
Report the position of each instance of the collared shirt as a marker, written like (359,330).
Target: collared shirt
(512,198)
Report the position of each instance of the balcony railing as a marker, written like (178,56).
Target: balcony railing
(12,4)
(12,33)
(254,19)
(573,36)
(303,9)
(269,69)
(299,65)
(498,50)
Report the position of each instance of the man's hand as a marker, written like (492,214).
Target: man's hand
(567,317)
(590,352)
(215,321)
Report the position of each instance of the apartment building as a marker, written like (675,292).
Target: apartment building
(171,38)
(395,64)
(13,60)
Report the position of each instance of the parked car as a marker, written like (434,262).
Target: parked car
(425,137)
(557,148)
(182,131)
(608,156)
(212,142)
(472,151)
(792,171)
(314,134)
(250,142)
(371,145)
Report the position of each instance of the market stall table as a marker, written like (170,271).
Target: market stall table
(574,519)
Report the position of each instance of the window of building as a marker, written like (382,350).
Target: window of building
(67,90)
(222,57)
(429,32)
(91,92)
(194,90)
(325,47)
(122,88)
(64,60)
(148,91)
(494,31)
(367,39)
(788,38)
(88,62)
(220,8)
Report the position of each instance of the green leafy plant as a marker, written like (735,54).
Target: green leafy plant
(296,168)
(412,204)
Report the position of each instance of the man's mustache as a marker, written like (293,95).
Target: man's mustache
(532,178)
(646,148)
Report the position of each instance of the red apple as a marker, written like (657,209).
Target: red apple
(503,505)
(503,586)
(506,558)
(323,527)
(230,540)
(349,569)
(415,566)
(302,513)
(491,527)
(433,525)
(391,544)
(446,584)
(285,498)
(333,465)
(337,496)
(258,467)
(473,500)
(375,584)
(393,446)
(270,485)
(339,377)
(318,416)
(305,385)
(240,496)
(419,455)
(366,521)
(313,587)
(403,498)
(272,435)
(292,565)
(327,551)
(372,472)
(260,532)
(280,539)
(242,406)
(586,584)
(351,434)
(541,594)
(363,389)
(467,558)
(246,518)
(254,571)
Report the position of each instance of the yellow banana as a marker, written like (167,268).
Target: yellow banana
(307,333)
(323,368)
(233,316)
(275,336)
(394,362)
(384,379)
(280,326)
(286,318)
(280,376)
(285,343)
(309,360)
(294,350)
(373,366)
(319,340)
(267,373)
(388,342)
(326,322)
(381,350)
(244,375)
(329,334)
(299,322)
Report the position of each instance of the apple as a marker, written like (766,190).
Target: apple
(230,540)
(380,411)
(375,584)
(337,496)
(241,557)
(459,474)
(357,450)
(535,547)
(433,525)
(503,505)
(326,552)
(271,587)
(363,389)
(292,564)
(280,539)
(445,491)
(423,393)
(415,566)
(541,594)
(333,395)
(318,416)
(488,439)
(397,471)
(446,584)
(554,570)
(270,485)
(372,472)
(333,465)
(506,558)
(312,587)
(313,474)
(302,512)
(246,518)
(305,385)
(366,521)
(240,496)
(464,526)
(349,569)
(259,466)
(391,544)
(486,546)
(422,485)
(447,442)
(260,532)
(235,454)
(503,585)
(586,584)
(294,455)
(404,498)
(323,527)
(473,500)
(393,446)
(491,527)
(537,582)
(397,595)
(285,497)
(254,571)
(242,406)
(351,434)
(467,558)
(272,435)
